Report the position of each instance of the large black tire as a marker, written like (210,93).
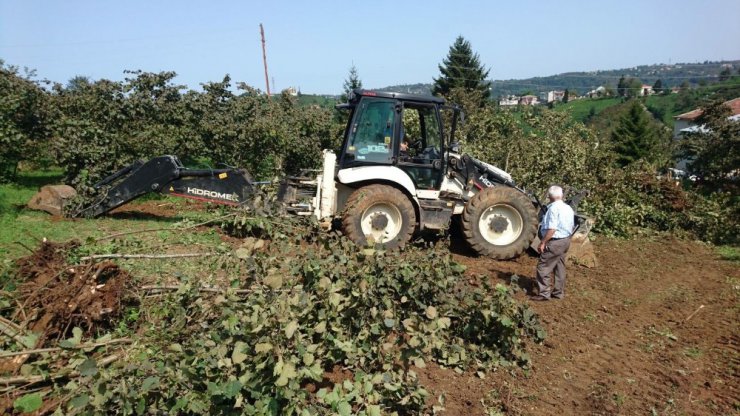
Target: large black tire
(386,214)
(499,222)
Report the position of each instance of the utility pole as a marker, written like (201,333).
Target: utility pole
(264,59)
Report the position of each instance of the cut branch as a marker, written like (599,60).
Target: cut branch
(76,347)
(145,256)
(14,331)
(152,230)
(163,288)
(694,313)
(16,380)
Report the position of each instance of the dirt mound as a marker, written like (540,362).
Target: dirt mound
(55,297)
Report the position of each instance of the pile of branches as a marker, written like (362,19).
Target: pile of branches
(311,324)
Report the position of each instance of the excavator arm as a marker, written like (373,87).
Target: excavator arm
(163,174)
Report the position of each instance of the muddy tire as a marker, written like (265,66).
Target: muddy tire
(379,214)
(499,223)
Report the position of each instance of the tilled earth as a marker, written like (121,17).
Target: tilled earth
(653,330)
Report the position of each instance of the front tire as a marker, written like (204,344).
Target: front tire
(499,222)
(379,214)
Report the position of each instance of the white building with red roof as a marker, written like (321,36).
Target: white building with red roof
(687,121)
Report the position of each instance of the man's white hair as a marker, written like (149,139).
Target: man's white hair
(555,192)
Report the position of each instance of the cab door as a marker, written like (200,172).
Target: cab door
(421,145)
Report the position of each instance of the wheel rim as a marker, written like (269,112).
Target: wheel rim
(381,222)
(500,224)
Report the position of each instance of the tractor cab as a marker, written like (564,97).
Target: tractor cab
(396,130)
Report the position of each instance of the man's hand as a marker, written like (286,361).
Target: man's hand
(545,239)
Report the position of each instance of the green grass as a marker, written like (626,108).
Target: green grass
(22,229)
(580,109)
(731,253)
(666,105)
(692,352)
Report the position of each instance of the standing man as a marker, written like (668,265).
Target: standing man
(555,231)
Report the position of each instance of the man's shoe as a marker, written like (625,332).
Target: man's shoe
(538,298)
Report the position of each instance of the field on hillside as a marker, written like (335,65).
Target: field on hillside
(663,106)
(580,109)
(652,330)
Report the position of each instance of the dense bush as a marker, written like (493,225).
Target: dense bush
(23,128)
(92,128)
(540,148)
(636,198)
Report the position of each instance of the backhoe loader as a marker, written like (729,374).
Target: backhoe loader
(398,172)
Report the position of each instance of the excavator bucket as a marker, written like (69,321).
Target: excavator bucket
(51,198)
(581,250)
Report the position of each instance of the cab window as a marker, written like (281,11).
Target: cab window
(371,133)
(421,141)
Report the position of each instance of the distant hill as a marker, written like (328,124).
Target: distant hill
(671,74)
(663,106)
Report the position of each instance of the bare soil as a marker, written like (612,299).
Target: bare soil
(631,337)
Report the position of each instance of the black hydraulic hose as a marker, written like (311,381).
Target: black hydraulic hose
(118,174)
(483,168)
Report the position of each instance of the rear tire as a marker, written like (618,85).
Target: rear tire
(379,214)
(499,223)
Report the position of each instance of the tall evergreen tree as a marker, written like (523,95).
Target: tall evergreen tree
(725,74)
(621,86)
(352,82)
(634,138)
(462,69)
(658,86)
(566,96)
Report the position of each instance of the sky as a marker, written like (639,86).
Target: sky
(312,44)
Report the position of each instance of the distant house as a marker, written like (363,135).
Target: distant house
(687,123)
(552,96)
(598,92)
(509,100)
(528,100)
(646,90)
(292,91)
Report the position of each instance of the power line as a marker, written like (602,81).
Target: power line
(122,40)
